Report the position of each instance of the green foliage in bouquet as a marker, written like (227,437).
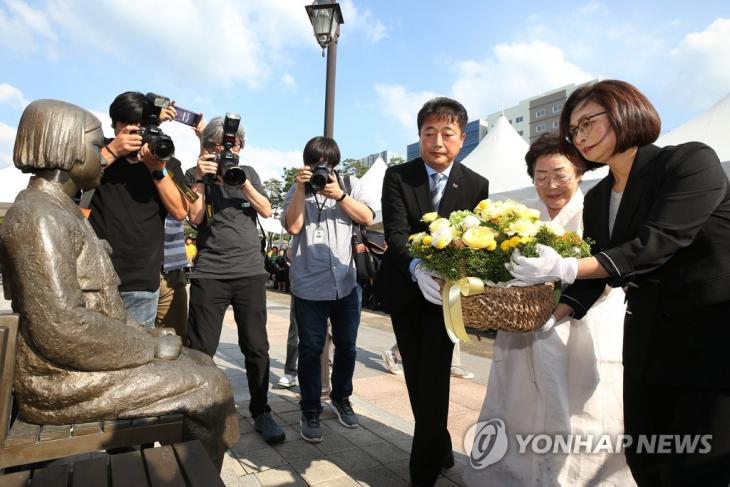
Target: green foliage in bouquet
(479,243)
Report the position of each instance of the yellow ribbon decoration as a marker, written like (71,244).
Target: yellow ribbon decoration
(451,307)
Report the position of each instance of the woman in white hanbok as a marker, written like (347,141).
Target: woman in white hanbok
(563,381)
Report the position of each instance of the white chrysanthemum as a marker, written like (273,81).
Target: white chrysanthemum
(470,222)
(555,228)
(442,237)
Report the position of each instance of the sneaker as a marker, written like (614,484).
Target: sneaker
(461,373)
(287,380)
(345,414)
(391,363)
(271,432)
(309,427)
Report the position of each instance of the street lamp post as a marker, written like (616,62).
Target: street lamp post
(326,17)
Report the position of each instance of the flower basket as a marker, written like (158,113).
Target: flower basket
(472,251)
(515,309)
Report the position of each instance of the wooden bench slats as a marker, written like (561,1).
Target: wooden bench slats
(22,433)
(55,432)
(117,424)
(88,473)
(54,476)
(196,465)
(83,429)
(15,479)
(162,467)
(128,470)
(145,421)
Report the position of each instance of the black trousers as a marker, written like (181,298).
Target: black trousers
(426,352)
(209,300)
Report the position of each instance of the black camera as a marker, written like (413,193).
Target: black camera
(160,144)
(228,168)
(320,177)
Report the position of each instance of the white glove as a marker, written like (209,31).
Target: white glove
(426,283)
(548,267)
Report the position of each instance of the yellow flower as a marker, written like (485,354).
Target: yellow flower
(429,217)
(514,241)
(477,238)
(416,238)
(492,245)
(523,228)
(438,224)
(426,240)
(482,205)
(526,239)
(504,245)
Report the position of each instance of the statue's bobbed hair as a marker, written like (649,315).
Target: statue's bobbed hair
(52,135)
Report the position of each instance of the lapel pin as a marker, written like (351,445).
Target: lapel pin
(454,185)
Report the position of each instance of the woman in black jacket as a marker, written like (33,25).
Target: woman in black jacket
(661,225)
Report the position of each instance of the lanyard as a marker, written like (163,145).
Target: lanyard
(320,207)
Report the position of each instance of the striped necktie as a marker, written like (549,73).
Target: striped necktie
(438,183)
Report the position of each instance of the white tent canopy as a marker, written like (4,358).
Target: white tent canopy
(711,127)
(372,181)
(500,157)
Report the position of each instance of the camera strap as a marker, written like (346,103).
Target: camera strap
(320,208)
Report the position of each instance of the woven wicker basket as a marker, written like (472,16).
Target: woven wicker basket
(519,309)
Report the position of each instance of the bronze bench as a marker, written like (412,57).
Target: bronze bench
(22,443)
(178,465)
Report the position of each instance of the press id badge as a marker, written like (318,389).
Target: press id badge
(318,236)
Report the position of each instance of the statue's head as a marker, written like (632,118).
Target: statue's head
(54,134)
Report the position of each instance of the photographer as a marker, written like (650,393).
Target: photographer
(230,267)
(320,215)
(128,209)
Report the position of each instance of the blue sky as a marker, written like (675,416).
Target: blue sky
(260,59)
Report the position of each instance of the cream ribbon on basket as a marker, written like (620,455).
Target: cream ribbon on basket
(451,298)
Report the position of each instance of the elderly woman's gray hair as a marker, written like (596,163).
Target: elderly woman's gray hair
(213,134)
(52,135)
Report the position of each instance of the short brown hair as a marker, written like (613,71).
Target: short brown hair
(630,113)
(547,145)
(52,135)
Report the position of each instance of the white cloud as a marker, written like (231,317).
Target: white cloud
(269,163)
(288,81)
(513,72)
(396,102)
(701,65)
(12,96)
(362,22)
(7,140)
(222,41)
(20,24)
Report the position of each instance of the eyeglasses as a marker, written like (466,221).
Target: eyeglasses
(584,126)
(560,180)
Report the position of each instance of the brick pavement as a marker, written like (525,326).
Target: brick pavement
(375,454)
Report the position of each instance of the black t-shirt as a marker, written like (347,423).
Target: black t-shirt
(230,247)
(127,212)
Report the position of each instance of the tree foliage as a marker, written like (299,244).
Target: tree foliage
(275,191)
(353,167)
(396,160)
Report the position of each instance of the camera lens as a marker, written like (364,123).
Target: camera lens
(162,147)
(320,178)
(234,176)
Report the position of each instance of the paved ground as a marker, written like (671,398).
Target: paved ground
(375,454)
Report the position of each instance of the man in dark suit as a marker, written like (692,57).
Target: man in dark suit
(433,182)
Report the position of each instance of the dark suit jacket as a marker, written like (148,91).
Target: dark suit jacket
(671,248)
(406,198)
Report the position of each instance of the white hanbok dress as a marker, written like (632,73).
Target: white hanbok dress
(568,380)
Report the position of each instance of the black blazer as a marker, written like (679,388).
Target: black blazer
(670,249)
(406,198)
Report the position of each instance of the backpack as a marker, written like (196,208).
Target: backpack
(368,246)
